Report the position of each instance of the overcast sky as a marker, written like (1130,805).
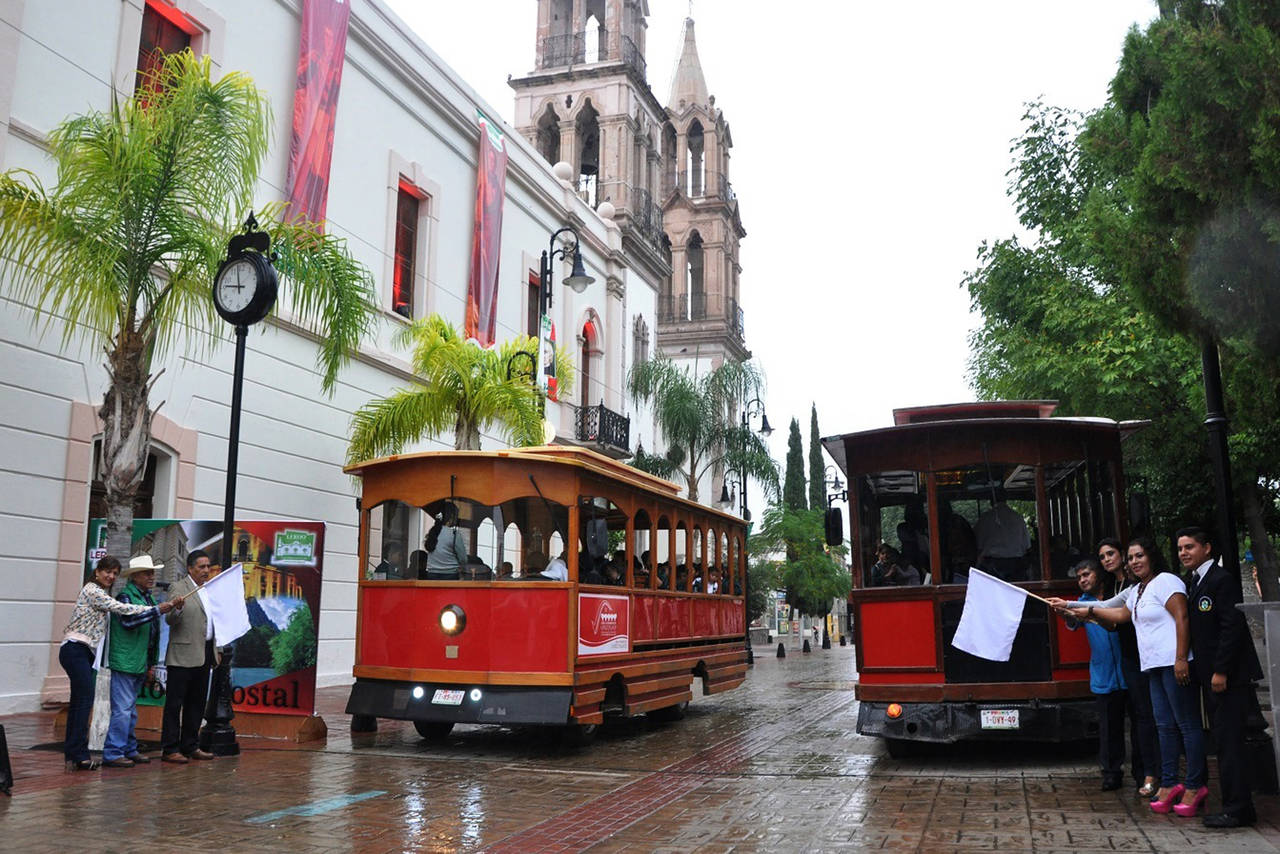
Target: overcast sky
(871,142)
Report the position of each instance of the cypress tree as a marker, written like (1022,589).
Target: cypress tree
(793,494)
(817,471)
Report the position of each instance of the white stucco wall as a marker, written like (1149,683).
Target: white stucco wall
(398,98)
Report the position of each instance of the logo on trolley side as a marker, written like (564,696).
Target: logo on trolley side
(603,624)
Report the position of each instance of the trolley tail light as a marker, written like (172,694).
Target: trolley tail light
(894,710)
(453,620)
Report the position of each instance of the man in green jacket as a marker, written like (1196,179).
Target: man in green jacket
(131,654)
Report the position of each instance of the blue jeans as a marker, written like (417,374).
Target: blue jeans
(1176,709)
(77,660)
(124,715)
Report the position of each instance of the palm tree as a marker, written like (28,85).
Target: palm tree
(465,387)
(696,414)
(122,250)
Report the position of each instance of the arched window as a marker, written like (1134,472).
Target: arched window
(695,163)
(669,159)
(590,362)
(596,46)
(548,135)
(587,126)
(694,267)
(639,340)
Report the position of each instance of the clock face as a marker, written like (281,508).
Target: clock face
(237,285)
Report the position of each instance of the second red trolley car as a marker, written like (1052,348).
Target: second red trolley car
(653,597)
(933,487)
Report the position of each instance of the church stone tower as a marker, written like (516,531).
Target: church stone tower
(588,103)
(699,314)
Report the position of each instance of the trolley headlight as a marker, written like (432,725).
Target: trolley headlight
(418,692)
(452,620)
(475,695)
(894,710)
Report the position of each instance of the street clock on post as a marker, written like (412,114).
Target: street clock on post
(244,290)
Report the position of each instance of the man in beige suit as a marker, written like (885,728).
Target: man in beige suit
(187,660)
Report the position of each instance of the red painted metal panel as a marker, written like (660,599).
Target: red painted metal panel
(508,629)
(673,617)
(908,678)
(644,613)
(704,618)
(899,634)
(1073,647)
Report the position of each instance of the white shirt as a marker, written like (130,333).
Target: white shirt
(557,570)
(1156,629)
(1002,532)
(1203,570)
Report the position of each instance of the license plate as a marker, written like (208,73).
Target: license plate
(999,718)
(445,697)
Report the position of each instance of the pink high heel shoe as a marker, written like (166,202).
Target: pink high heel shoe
(1188,810)
(1167,804)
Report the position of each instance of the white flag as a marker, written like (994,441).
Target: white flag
(223,598)
(992,613)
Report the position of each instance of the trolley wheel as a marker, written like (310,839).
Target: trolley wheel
(670,713)
(364,723)
(433,730)
(579,735)
(901,748)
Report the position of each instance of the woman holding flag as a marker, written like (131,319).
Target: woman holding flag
(1157,607)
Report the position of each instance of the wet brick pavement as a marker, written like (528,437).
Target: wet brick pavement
(772,766)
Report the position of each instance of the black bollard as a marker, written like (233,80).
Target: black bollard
(806,646)
(843,642)
(782,650)
(826,639)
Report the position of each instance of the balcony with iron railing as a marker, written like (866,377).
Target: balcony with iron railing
(682,308)
(701,185)
(572,49)
(601,425)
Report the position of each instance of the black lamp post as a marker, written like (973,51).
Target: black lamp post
(578,280)
(1215,422)
(244,292)
(751,409)
(834,485)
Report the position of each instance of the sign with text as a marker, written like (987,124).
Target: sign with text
(273,668)
(603,624)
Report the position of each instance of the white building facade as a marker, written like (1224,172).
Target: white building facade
(405,122)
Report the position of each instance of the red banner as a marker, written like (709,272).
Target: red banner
(486,242)
(321,52)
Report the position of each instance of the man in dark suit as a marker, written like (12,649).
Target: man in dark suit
(1225,663)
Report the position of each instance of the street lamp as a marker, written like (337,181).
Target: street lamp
(578,279)
(751,409)
(832,481)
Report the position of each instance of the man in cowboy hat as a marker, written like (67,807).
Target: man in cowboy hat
(131,655)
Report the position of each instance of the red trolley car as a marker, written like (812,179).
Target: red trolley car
(653,596)
(1001,486)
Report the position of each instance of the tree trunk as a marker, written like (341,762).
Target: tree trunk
(692,477)
(466,436)
(1264,556)
(126,438)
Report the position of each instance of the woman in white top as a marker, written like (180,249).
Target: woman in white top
(1157,605)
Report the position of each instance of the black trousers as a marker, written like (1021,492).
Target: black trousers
(77,660)
(1111,734)
(1227,712)
(1143,741)
(186,690)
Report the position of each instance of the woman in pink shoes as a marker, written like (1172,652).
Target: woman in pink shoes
(1157,606)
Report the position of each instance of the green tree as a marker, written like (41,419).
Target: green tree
(464,387)
(817,470)
(763,577)
(253,649)
(122,250)
(696,415)
(295,647)
(812,576)
(793,490)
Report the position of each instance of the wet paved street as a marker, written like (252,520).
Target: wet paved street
(772,766)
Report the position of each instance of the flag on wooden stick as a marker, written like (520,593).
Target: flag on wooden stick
(991,616)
